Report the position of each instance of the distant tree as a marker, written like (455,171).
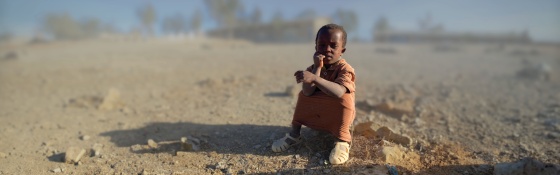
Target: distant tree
(380,28)
(62,27)
(347,18)
(174,24)
(147,15)
(277,23)
(91,27)
(225,13)
(196,21)
(307,14)
(381,25)
(6,37)
(256,16)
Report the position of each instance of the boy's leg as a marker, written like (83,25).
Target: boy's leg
(296,130)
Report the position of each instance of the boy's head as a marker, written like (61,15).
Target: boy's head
(332,27)
(331,42)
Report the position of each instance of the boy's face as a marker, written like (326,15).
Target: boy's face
(330,44)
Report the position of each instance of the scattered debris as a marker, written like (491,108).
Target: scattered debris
(10,56)
(540,71)
(190,144)
(73,155)
(392,170)
(526,165)
(386,50)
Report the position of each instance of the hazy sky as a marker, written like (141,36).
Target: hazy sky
(540,17)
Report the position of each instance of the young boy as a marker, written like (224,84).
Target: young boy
(326,101)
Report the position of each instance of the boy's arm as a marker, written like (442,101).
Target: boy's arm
(309,88)
(311,81)
(329,87)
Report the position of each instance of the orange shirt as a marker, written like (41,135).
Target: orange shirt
(323,112)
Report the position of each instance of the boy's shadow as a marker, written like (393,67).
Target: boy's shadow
(228,139)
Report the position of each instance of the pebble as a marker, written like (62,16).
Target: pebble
(390,135)
(96,149)
(190,144)
(152,143)
(3,155)
(56,170)
(84,137)
(73,155)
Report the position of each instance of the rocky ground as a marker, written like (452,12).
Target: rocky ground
(214,107)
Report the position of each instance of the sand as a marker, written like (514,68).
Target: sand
(466,107)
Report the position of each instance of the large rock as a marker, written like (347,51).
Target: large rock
(388,134)
(73,155)
(396,110)
(526,166)
(390,154)
(365,129)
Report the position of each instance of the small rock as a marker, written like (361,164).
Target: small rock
(152,143)
(390,135)
(73,155)
(56,170)
(3,155)
(390,154)
(189,144)
(111,101)
(136,148)
(84,137)
(96,149)
(221,165)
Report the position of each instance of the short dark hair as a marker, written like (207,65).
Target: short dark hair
(331,27)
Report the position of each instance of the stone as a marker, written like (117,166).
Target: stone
(390,154)
(111,101)
(365,129)
(3,155)
(84,137)
(56,170)
(526,166)
(190,144)
(397,110)
(152,143)
(73,155)
(390,135)
(96,149)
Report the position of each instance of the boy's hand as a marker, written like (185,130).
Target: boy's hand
(305,76)
(318,60)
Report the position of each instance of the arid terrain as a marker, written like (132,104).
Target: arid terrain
(128,103)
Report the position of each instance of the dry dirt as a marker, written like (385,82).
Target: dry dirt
(466,107)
